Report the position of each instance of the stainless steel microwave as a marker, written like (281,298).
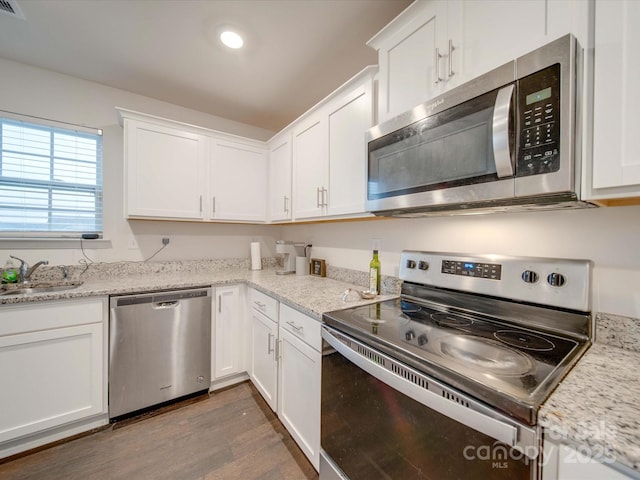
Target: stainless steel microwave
(503,141)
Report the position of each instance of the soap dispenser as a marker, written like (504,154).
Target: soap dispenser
(10,275)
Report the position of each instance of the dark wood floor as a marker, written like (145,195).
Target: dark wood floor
(231,435)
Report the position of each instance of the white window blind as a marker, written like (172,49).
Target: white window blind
(50,178)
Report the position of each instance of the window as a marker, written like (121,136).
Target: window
(50,178)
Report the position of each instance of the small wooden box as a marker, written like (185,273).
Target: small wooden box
(318,267)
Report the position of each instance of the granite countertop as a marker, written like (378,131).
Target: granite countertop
(309,294)
(596,407)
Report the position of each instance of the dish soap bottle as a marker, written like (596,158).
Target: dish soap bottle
(374,274)
(9,275)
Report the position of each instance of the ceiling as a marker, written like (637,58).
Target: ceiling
(296,51)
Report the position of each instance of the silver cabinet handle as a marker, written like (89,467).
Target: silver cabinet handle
(501,146)
(269,349)
(295,327)
(278,349)
(260,305)
(437,65)
(219,303)
(324,196)
(286,202)
(318,204)
(451,49)
(213,205)
(200,203)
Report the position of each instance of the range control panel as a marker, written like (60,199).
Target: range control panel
(547,281)
(472,269)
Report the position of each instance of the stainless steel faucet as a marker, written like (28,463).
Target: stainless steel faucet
(24,271)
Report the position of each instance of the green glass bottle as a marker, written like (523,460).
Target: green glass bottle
(374,274)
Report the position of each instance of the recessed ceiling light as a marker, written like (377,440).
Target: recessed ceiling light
(231,39)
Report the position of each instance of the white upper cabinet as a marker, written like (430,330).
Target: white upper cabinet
(616,143)
(163,171)
(280,177)
(329,152)
(411,51)
(490,33)
(435,45)
(349,117)
(237,181)
(310,166)
(179,171)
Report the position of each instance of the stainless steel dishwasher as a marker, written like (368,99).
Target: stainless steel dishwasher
(159,348)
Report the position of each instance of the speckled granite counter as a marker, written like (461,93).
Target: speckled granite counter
(309,294)
(596,406)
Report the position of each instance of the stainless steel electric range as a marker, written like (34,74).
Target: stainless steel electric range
(445,382)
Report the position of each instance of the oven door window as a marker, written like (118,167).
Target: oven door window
(447,149)
(373,431)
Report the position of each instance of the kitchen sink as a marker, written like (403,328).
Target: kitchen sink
(31,288)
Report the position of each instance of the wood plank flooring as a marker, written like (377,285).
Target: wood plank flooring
(231,434)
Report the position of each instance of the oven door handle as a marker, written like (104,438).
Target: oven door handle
(491,427)
(501,143)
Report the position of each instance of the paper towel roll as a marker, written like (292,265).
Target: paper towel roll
(302,265)
(256,260)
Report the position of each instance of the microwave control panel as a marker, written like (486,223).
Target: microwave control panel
(539,122)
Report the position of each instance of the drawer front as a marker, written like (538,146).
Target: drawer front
(34,316)
(264,304)
(302,326)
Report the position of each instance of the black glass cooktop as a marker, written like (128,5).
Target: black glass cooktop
(470,351)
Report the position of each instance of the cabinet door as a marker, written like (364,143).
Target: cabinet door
(349,118)
(238,180)
(229,333)
(616,143)
(409,54)
(50,378)
(567,463)
(310,166)
(280,178)
(264,366)
(164,171)
(489,33)
(299,393)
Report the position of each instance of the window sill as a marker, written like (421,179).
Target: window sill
(52,243)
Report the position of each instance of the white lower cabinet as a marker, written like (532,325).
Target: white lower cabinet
(228,334)
(299,374)
(52,371)
(563,462)
(286,366)
(263,368)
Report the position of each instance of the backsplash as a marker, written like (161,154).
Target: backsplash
(618,331)
(98,270)
(388,285)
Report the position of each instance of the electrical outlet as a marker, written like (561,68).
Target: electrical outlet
(165,240)
(132,244)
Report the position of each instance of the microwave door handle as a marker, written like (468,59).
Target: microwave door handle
(501,146)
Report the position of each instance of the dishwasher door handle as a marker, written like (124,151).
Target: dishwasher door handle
(171,304)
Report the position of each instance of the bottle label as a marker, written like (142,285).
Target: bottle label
(373,280)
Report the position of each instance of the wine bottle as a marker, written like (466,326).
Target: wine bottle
(374,274)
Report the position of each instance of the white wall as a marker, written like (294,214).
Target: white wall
(42,93)
(610,237)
